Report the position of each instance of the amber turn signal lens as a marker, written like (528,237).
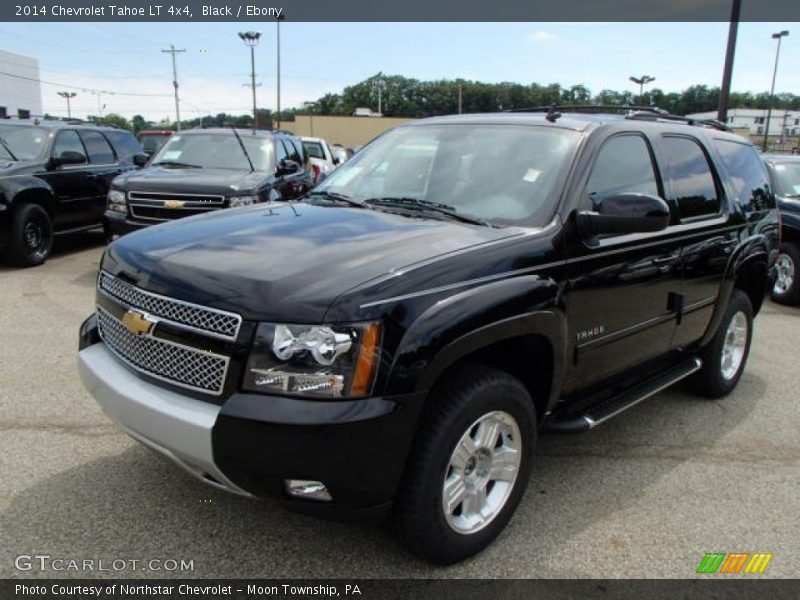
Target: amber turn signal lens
(367,357)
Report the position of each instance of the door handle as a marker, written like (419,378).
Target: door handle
(666,260)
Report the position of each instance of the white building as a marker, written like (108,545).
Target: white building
(20,90)
(784,123)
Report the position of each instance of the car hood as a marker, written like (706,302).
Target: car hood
(285,262)
(184,180)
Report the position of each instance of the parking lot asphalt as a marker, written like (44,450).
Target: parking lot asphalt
(647,495)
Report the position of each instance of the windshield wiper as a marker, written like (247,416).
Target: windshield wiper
(175,163)
(426,205)
(333,196)
(241,145)
(7,149)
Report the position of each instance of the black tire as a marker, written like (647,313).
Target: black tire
(31,236)
(787,264)
(711,380)
(459,401)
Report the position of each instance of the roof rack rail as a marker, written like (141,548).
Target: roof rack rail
(712,123)
(600,108)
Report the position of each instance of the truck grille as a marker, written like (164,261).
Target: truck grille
(160,206)
(177,364)
(210,321)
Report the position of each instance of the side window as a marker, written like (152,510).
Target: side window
(693,189)
(68,141)
(125,144)
(748,174)
(280,150)
(97,146)
(624,164)
(292,151)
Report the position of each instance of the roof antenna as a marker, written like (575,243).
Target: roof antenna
(552,113)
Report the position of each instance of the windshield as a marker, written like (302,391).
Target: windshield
(504,174)
(153,143)
(217,151)
(787,178)
(25,142)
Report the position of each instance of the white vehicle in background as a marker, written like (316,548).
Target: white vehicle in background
(320,157)
(340,154)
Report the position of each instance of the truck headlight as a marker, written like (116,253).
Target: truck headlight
(321,361)
(235,201)
(116,200)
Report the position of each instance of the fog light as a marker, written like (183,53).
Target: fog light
(303,488)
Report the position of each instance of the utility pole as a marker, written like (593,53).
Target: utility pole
(250,39)
(727,73)
(100,105)
(173,51)
(68,95)
(278,21)
(775,36)
(379,85)
(460,91)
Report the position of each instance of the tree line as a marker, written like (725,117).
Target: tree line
(408,97)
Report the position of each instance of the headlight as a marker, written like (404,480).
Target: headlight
(116,200)
(322,361)
(235,201)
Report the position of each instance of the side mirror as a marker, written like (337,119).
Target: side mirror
(140,160)
(625,213)
(68,157)
(288,166)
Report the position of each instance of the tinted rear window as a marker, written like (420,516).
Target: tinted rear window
(97,146)
(747,172)
(693,189)
(125,144)
(314,149)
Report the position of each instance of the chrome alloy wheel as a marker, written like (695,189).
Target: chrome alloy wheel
(785,267)
(734,346)
(482,471)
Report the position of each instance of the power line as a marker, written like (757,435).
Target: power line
(83,89)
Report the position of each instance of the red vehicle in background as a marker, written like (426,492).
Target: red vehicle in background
(153,139)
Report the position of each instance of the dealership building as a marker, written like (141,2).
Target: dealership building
(781,123)
(20,90)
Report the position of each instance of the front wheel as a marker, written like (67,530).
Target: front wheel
(469,467)
(726,355)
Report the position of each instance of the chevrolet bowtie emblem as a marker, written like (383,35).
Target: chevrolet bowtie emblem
(174,203)
(137,323)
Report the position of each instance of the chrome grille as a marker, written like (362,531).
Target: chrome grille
(183,366)
(211,321)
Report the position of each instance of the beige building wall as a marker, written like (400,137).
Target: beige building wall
(347,131)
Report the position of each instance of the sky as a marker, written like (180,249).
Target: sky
(317,58)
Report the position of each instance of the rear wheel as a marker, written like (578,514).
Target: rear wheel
(31,236)
(787,287)
(726,355)
(469,467)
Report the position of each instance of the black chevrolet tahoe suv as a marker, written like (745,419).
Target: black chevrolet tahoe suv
(202,170)
(391,344)
(54,176)
(785,172)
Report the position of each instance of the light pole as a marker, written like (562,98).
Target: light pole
(642,81)
(380,84)
(310,106)
(250,38)
(278,26)
(727,73)
(775,36)
(68,95)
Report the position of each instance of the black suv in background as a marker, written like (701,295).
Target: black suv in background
(392,344)
(202,170)
(785,172)
(54,177)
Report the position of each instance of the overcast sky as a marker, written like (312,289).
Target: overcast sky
(324,57)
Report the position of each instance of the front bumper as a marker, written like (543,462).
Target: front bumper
(252,444)
(118,224)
